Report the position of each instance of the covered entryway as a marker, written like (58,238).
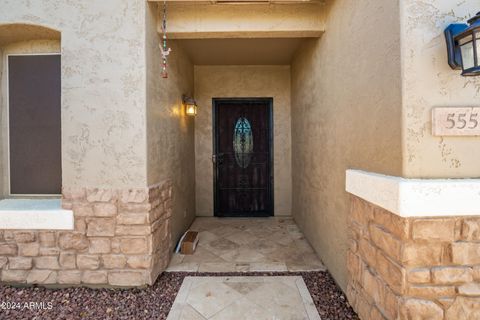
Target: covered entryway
(252,260)
(234,157)
(242,133)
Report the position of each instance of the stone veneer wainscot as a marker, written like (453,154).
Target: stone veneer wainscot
(121,238)
(412,267)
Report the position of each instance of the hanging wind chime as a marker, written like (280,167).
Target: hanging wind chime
(163,46)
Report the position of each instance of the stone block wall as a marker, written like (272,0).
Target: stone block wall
(412,268)
(121,238)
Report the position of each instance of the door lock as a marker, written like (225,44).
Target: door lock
(217,158)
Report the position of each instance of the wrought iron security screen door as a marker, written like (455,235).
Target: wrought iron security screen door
(243,157)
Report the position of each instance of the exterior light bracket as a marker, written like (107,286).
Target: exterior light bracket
(454,54)
(463,46)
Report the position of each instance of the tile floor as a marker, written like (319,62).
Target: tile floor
(237,298)
(248,245)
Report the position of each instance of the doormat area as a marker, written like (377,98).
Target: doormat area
(152,302)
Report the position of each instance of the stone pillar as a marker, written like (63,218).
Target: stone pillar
(412,267)
(121,238)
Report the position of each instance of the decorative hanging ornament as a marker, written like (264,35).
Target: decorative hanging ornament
(163,46)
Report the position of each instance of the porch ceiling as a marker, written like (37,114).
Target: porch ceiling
(241,51)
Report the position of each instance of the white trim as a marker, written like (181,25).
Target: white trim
(30,214)
(416,197)
(36,219)
(7,122)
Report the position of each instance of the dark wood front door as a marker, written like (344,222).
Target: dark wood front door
(243,157)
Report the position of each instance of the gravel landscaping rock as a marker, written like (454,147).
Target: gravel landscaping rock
(146,303)
(330,301)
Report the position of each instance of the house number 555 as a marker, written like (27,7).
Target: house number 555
(459,120)
(456,121)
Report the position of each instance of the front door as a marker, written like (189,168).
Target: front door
(243,157)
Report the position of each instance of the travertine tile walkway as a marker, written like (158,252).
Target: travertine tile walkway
(248,245)
(238,298)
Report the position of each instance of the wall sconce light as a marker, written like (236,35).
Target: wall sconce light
(190,105)
(463,45)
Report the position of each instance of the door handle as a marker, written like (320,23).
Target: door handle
(218,158)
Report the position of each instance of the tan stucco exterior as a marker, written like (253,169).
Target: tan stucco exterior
(371,109)
(428,82)
(103,87)
(107,94)
(243,82)
(123,211)
(170,133)
(346,113)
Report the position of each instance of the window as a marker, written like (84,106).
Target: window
(34,124)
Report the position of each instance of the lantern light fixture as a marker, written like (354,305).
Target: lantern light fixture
(463,45)
(190,105)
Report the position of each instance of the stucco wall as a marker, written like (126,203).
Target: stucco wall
(193,21)
(429,82)
(237,82)
(103,86)
(346,113)
(24,47)
(170,133)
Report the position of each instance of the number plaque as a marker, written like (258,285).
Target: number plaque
(456,121)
